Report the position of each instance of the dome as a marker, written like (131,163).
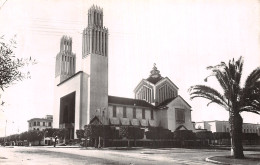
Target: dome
(155,75)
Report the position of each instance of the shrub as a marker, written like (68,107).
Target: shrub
(80,133)
(221,135)
(184,135)
(204,135)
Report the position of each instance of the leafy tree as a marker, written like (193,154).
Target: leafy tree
(10,66)
(62,133)
(24,136)
(235,99)
(158,133)
(35,135)
(2,139)
(131,132)
(221,135)
(184,135)
(80,133)
(14,137)
(204,135)
(250,137)
(50,132)
(93,131)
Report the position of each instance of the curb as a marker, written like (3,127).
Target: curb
(214,161)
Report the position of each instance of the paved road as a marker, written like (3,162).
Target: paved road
(65,156)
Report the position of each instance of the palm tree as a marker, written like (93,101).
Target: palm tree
(235,99)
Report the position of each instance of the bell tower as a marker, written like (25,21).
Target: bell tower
(95,36)
(95,63)
(65,60)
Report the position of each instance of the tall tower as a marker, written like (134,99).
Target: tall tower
(95,63)
(95,36)
(65,60)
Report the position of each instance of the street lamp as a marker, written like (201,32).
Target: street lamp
(5,132)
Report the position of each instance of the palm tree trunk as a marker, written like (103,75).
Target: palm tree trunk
(236,122)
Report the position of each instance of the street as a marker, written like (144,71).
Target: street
(62,155)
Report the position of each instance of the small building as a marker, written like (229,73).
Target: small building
(40,123)
(223,126)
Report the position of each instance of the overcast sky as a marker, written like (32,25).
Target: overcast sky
(181,37)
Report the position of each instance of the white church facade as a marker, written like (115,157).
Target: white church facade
(83,95)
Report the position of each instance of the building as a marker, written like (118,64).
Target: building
(156,103)
(83,96)
(223,126)
(40,123)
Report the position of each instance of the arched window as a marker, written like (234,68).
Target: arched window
(124,112)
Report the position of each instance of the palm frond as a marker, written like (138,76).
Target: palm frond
(208,93)
(250,94)
(253,79)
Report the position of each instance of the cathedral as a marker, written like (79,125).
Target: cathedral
(82,96)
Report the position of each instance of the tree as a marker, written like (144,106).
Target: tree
(51,132)
(221,135)
(24,136)
(235,99)
(10,66)
(183,135)
(35,135)
(62,133)
(204,136)
(250,137)
(80,133)
(93,132)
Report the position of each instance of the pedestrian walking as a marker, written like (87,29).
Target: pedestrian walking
(55,141)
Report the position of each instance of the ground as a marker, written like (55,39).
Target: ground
(65,155)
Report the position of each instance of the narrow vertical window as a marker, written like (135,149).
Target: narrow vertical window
(124,112)
(114,111)
(43,123)
(151,114)
(134,113)
(143,113)
(49,124)
(180,116)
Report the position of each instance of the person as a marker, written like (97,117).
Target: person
(55,141)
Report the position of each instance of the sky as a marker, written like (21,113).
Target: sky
(182,37)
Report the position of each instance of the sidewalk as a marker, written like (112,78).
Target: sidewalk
(60,146)
(250,159)
(245,147)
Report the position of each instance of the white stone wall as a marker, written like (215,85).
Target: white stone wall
(41,126)
(164,89)
(178,103)
(72,85)
(96,66)
(129,116)
(162,118)
(155,93)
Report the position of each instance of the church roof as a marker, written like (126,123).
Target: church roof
(167,101)
(154,80)
(155,75)
(74,75)
(128,101)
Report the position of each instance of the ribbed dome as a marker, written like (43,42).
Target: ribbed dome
(155,75)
